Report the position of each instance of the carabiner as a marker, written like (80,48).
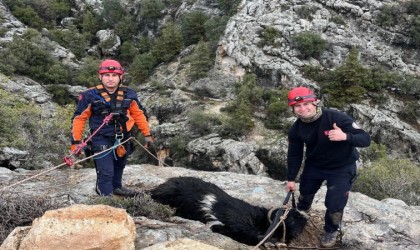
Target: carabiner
(119,136)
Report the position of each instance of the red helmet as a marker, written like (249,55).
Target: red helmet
(110,66)
(300,94)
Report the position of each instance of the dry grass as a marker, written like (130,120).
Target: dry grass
(16,211)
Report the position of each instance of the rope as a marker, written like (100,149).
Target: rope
(281,221)
(145,148)
(62,164)
(81,160)
(84,143)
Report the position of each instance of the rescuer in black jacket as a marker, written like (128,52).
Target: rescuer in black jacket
(329,138)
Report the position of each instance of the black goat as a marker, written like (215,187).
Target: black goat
(196,199)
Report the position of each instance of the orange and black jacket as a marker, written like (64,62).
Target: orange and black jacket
(95,104)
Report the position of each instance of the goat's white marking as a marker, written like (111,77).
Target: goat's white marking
(207,207)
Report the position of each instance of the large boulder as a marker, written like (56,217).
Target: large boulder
(213,153)
(77,226)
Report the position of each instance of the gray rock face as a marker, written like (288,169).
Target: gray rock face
(29,89)
(216,154)
(10,23)
(11,157)
(387,129)
(109,42)
(242,36)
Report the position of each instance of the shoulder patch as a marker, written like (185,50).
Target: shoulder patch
(80,97)
(355,125)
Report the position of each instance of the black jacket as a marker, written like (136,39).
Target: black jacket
(320,151)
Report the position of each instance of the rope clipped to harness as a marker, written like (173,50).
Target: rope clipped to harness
(68,160)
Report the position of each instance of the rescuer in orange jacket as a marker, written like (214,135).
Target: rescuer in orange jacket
(109,97)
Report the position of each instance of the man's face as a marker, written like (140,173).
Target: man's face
(304,109)
(110,80)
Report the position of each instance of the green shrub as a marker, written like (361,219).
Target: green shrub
(215,27)
(412,7)
(388,15)
(27,55)
(305,12)
(150,10)
(277,109)
(142,66)
(203,123)
(338,19)
(390,178)
(90,22)
(52,11)
(410,113)
(112,11)
(310,44)
(71,39)
(250,91)
(239,122)
(40,14)
(415,31)
(353,73)
(269,36)
(26,126)
(28,16)
(3,30)
(87,74)
(128,51)
(349,82)
(201,61)
(178,147)
(174,3)
(144,45)
(60,94)
(127,28)
(10,115)
(408,85)
(240,111)
(193,27)
(169,44)
(374,152)
(229,7)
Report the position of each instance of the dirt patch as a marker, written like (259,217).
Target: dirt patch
(310,237)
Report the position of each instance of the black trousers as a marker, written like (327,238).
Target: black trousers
(339,183)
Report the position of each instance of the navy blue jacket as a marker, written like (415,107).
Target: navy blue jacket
(320,151)
(92,106)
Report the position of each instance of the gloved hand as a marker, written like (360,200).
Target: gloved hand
(76,147)
(149,140)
